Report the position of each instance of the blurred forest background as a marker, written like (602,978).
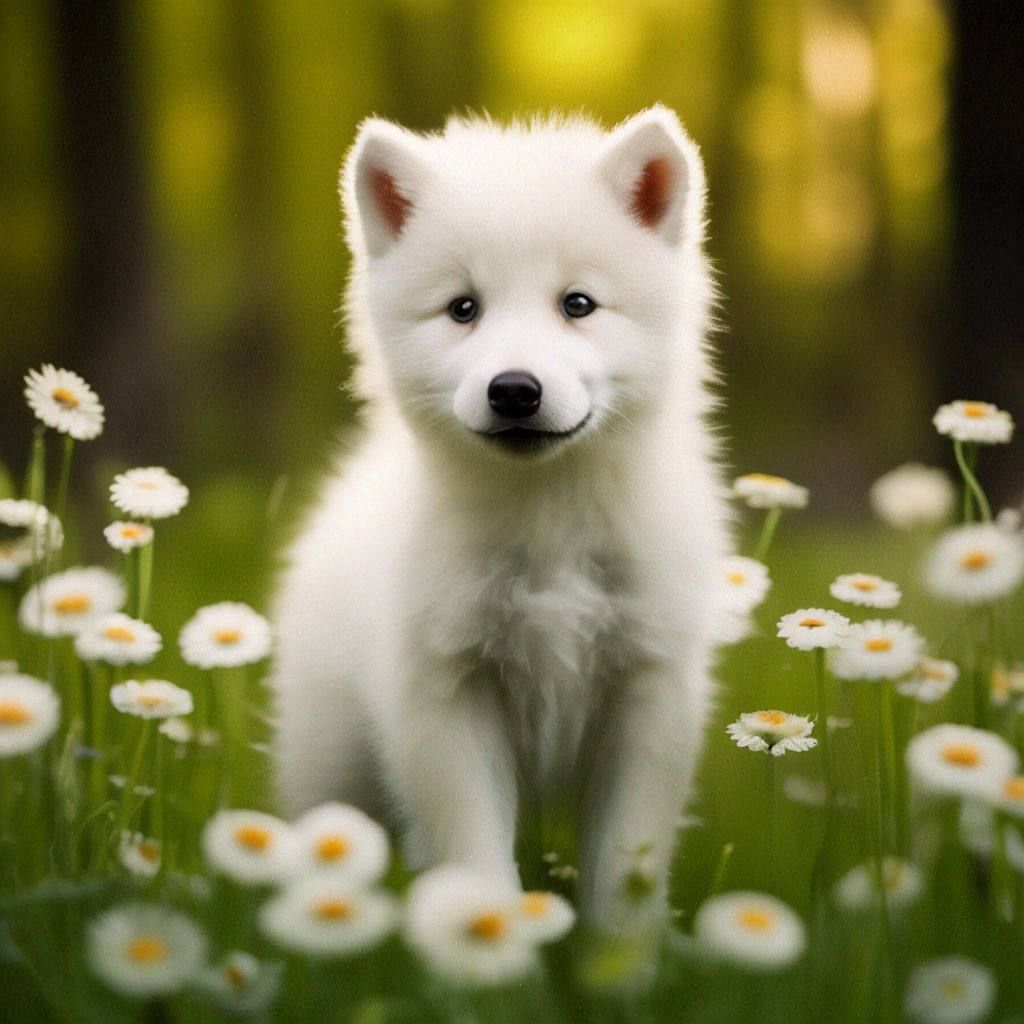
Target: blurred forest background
(171,228)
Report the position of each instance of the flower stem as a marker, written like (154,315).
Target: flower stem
(8,627)
(145,570)
(65,477)
(35,478)
(99,691)
(823,736)
(231,686)
(886,725)
(971,484)
(718,879)
(764,542)
(769,803)
(158,802)
(132,780)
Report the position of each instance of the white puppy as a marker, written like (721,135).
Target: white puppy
(510,585)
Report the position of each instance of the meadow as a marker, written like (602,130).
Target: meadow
(853,851)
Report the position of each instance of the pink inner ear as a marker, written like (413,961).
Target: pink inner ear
(392,205)
(652,193)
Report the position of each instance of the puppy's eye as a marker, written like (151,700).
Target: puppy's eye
(576,304)
(463,309)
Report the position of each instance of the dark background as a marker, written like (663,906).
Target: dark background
(171,229)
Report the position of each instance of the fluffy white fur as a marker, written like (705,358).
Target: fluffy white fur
(459,625)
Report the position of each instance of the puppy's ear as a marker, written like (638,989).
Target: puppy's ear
(657,174)
(380,184)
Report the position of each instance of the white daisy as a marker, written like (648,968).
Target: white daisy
(241,985)
(177,730)
(980,422)
(913,495)
(118,639)
(863,589)
(544,916)
(466,928)
(809,628)
(950,990)
(857,890)
(148,493)
(63,401)
(762,490)
(747,583)
(328,916)
(930,681)
(29,713)
(810,792)
(977,829)
(1010,520)
(343,840)
(139,854)
(975,563)
(154,698)
(66,602)
(999,685)
(142,949)
(28,533)
(251,847)
(126,536)
(223,635)
(773,732)
(1009,796)
(750,929)
(877,649)
(959,760)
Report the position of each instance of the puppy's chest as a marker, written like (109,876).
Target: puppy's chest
(549,620)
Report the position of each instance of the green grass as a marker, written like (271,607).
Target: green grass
(58,873)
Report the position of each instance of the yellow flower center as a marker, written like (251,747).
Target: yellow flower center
(488,927)
(237,978)
(334,910)
(893,878)
(535,904)
(149,700)
(1014,788)
(227,636)
(332,847)
(122,634)
(146,485)
(811,623)
(767,478)
(147,949)
(976,559)
(878,645)
(755,920)
(772,717)
(13,712)
(131,532)
(934,672)
(149,850)
(975,410)
(72,604)
(64,397)
(952,988)
(962,755)
(736,577)
(862,584)
(253,837)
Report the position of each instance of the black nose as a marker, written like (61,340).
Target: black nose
(514,394)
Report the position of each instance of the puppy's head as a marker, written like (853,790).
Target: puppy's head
(526,287)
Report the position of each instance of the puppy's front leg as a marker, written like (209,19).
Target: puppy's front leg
(646,748)
(454,774)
